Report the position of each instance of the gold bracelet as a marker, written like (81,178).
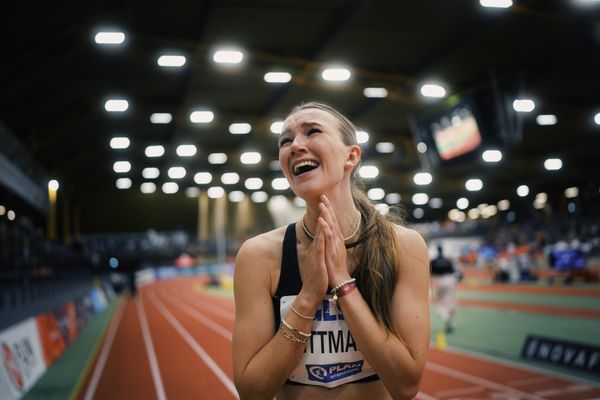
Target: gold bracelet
(298,331)
(292,338)
(301,315)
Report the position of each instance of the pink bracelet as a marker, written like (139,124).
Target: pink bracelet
(342,290)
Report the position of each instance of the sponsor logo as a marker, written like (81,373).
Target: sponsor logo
(333,372)
(12,367)
(563,353)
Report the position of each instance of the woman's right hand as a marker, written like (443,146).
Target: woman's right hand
(315,281)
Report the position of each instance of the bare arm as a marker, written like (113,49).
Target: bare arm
(400,366)
(262,358)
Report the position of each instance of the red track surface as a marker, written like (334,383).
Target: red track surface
(174,342)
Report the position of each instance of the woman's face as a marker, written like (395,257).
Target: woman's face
(312,154)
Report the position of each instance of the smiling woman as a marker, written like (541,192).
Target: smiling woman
(323,296)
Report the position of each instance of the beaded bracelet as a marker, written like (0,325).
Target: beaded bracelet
(342,289)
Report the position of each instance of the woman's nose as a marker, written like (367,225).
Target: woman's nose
(298,145)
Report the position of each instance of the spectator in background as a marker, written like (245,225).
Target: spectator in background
(444,277)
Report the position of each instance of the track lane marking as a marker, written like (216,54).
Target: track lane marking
(99,368)
(196,315)
(479,381)
(158,383)
(215,309)
(198,349)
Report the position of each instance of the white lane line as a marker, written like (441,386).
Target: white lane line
(192,312)
(108,341)
(158,383)
(461,391)
(195,346)
(479,381)
(209,305)
(423,396)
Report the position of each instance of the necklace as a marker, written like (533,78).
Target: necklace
(311,237)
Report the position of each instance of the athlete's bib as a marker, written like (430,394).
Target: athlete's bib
(331,357)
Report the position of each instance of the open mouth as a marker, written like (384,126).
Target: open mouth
(305,166)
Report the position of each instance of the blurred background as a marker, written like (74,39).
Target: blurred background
(140,138)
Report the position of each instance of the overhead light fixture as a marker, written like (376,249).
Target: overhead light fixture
(474,185)
(186,150)
(393,198)
(236,196)
(192,192)
(53,185)
(546,119)
(421,147)
(491,156)
(597,118)
(422,178)
(253,183)
(161,118)
(203,178)
(202,117)
(176,172)
(123,183)
(170,187)
(433,90)
(280,184)
(215,192)
(250,157)
(110,38)
(230,178)
(172,61)
(116,105)
(277,77)
(420,199)
(462,203)
(523,105)
(385,147)
(375,92)
(228,56)
(259,197)
(571,192)
(277,127)
(553,164)
(368,171)
(376,194)
(496,3)
(119,142)
(217,158)
(240,128)
(336,74)
(418,213)
(523,190)
(154,151)
(148,187)
(122,167)
(150,173)
(362,137)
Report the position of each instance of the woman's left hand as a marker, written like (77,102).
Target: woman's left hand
(335,249)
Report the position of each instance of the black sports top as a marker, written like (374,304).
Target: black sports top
(334,359)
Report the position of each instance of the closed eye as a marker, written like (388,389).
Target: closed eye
(312,131)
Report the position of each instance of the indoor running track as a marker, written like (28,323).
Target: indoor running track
(174,342)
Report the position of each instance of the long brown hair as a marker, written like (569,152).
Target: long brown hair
(378,257)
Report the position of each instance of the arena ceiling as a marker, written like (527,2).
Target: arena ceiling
(55,81)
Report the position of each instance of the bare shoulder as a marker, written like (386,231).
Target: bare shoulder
(259,258)
(265,247)
(412,245)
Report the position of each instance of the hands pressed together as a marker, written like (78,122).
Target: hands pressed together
(326,259)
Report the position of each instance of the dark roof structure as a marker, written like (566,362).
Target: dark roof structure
(55,80)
